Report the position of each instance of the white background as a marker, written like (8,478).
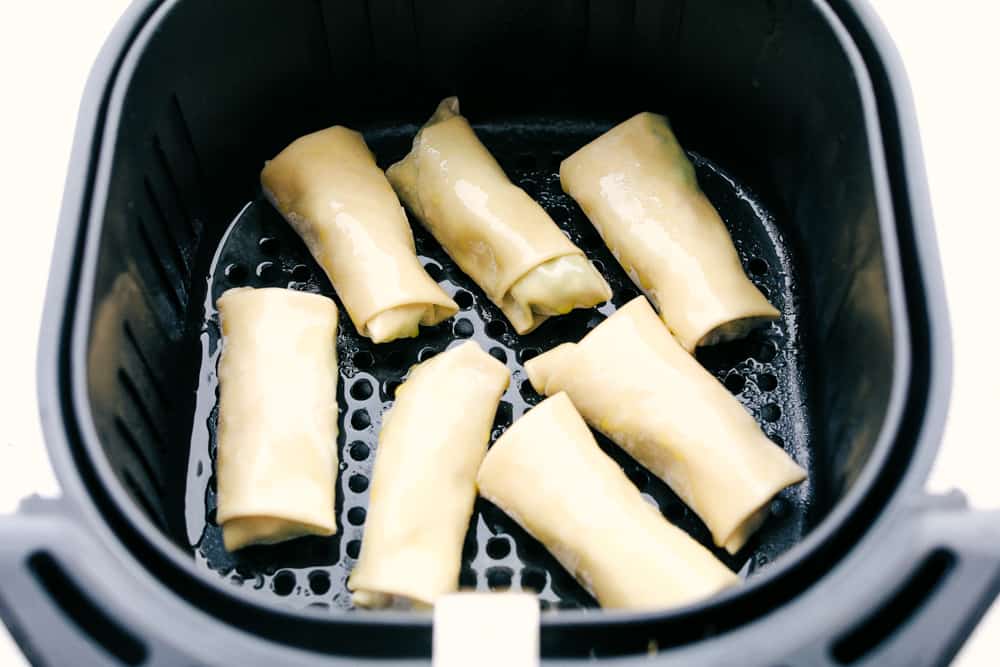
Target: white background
(951,53)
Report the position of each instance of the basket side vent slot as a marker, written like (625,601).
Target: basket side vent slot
(81,610)
(879,626)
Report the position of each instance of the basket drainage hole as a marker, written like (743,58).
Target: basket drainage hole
(498,354)
(467,579)
(284,583)
(360,420)
(499,578)
(533,579)
(356,516)
(265,270)
(434,270)
(358,483)
(528,392)
(363,359)
(767,382)
(495,328)
(497,548)
(361,390)
(236,273)
(389,388)
(359,451)
(734,383)
(770,412)
(463,328)
(353,548)
(269,245)
(319,582)
(758,266)
(301,273)
(463,299)
(426,353)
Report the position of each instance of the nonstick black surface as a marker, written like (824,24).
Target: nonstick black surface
(260,250)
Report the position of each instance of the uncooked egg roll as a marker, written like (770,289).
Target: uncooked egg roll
(493,230)
(638,188)
(424,481)
(547,472)
(329,189)
(634,383)
(277,434)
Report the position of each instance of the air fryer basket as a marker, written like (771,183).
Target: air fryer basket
(796,117)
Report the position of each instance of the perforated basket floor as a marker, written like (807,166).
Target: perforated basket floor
(260,250)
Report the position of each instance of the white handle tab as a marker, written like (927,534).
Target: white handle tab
(486,630)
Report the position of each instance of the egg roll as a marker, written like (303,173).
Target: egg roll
(277,434)
(547,472)
(639,190)
(633,382)
(424,481)
(329,189)
(496,233)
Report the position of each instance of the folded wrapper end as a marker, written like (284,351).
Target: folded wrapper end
(405,321)
(555,287)
(745,531)
(249,530)
(542,367)
(791,473)
(737,328)
(403,174)
(367,599)
(446,108)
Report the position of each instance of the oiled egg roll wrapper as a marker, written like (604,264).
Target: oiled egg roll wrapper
(424,481)
(277,451)
(493,230)
(547,472)
(634,383)
(639,190)
(329,189)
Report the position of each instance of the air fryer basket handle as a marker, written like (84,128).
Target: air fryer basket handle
(50,574)
(956,552)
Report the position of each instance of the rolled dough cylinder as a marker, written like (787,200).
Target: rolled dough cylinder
(277,452)
(635,384)
(547,472)
(424,482)
(493,230)
(639,190)
(329,189)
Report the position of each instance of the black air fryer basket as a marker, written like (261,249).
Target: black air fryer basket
(798,120)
